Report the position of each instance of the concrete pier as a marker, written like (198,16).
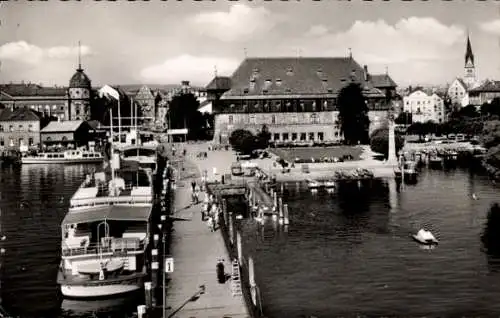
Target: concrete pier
(195,250)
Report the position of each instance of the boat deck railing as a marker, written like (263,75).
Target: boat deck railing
(139,200)
(114,246)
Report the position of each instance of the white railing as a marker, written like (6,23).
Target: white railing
(115,245)
(104,201)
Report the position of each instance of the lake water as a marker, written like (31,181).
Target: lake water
(33,202)
(343,253)
(349,252)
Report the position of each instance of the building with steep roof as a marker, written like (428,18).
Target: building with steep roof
(79,91)
(485,93)
(146,101)
(470,77)
(295,97)
(75,132)
(20,127)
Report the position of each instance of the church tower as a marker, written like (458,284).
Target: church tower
(79,93)
(470,69)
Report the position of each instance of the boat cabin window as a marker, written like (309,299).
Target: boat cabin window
(86,155)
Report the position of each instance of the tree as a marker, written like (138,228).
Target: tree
(405,118)
(353,114)
(491,233)
(417,128)
(243,141)
(379,141)
(183,113)
(263,137)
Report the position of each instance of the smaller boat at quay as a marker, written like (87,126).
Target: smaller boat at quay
(67,156)
(425,237)
(313,184)
(408,171)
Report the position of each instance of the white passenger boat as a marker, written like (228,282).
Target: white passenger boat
(144,155)
(105,233)
(67,156)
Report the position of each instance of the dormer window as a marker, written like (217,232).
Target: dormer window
(264,91)
(278,81)
(343,80)
(330,90)
(245,91)
(289,71)
(288,90)
(255,71)
(324,80)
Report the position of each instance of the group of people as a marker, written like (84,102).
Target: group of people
(210,210)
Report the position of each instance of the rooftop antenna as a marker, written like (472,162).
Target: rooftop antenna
(79,56)
(350,53)
(245,52)
(215,70)
(386,70)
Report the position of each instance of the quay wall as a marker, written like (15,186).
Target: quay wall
(229,232)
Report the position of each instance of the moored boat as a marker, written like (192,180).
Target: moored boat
(67,156)
(313,184)
(408,170)
(105,233)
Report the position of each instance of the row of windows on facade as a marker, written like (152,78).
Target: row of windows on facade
(252,119)
(290,106)
(438,102)
(18,128)
(311,136)
(21,141)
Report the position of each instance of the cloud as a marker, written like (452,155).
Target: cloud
(317,30)
(27,53)
(198,70)
(492,26)
(239,23)
(411,39)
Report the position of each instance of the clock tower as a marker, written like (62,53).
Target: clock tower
(79,92)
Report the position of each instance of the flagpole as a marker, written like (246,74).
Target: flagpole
(119,121)
(111,146)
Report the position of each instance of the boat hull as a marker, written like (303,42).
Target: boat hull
(60,160)
(424,242)
(103,290)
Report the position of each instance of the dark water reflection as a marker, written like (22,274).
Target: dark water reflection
(33,202)
(349,252)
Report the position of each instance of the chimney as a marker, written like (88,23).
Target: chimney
(365,73)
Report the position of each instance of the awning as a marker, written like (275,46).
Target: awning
(112,212)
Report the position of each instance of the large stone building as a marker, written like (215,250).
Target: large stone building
(20,127)
(50,101)
(72,103)
(296,98)
(424,106)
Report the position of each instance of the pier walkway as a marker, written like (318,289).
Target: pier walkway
(195,251)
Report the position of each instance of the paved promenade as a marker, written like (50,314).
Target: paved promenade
(195,250)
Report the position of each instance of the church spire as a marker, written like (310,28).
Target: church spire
(469,56)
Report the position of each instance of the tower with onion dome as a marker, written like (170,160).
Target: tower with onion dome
(79,91)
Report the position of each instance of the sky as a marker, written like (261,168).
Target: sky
(165,42)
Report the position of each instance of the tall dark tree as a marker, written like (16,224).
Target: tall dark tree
(243,141)
(183,113)
(353,114)
(379,141)
(263,137)
(405,118)
(491,234)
